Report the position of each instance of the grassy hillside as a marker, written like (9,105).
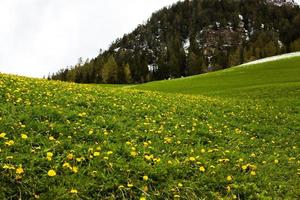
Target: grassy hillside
(69,141)
(280,74)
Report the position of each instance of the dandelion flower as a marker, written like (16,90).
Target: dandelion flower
(75,169)
(244,167)
(24,136)
(66,165)
(51,138)
(73,191)
(10,143)
(276,161)
(192,158)
(228,188)
(130,185)
(142,198)
(253,173)
(202,169)
(145,178)
(19,170)
(96,153)
(133,153)
(51,173)
(70,156)
(49,154)
(8,166)
(2,135)
(229,178)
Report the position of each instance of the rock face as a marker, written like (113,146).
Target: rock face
(196,36)
(283,2)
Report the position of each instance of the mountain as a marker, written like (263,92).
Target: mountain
(282,2)
(193,37)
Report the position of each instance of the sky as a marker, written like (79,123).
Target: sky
(42,36)
(38,37)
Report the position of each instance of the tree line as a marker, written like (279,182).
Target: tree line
(193,37)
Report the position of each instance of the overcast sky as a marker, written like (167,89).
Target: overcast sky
(42,36)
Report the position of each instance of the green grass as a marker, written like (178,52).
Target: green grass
(237,138)
(237,79)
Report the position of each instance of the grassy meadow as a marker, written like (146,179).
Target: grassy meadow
(232,134)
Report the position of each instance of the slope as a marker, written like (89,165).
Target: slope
(70,141)
(237,81)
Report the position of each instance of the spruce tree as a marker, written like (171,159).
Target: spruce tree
(127,73)
(110,71)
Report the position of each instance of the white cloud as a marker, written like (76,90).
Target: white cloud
(41,36)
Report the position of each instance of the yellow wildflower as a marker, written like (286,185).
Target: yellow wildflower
(70,156)
(253,173)
(244,167)
(49,154)
(19,170)
(229,178)
(96,153)
(51,173)
(202,169)
(66,165)
(10,142)
(73,191)
(130,185)
(80,159)
(192,158)
(145,178)
(24,136)
(147,157)
(228,188)
(133,153)
(8,166)
(51,138)
(2,135)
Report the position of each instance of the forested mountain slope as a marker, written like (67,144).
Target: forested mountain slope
(193,37)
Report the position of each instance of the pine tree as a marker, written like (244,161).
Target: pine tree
(127,73)
(194,64)
(295,46)
(110,71)
(270,49)
(235,57)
